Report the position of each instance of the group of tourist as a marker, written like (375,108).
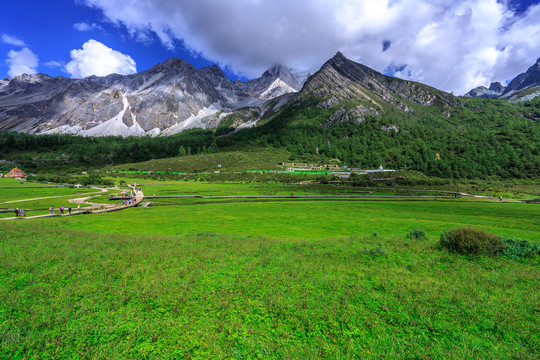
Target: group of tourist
(128,202)
(62,208)
(20,212)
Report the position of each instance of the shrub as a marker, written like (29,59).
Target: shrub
(517,248)
(416,234)
(472,241)
(375,252)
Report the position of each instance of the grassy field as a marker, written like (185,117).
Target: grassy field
(258,159)
(268,279)
(306,219)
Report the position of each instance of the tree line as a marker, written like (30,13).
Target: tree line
(481,138)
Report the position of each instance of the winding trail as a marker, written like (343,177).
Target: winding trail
(97,208)
(94,208)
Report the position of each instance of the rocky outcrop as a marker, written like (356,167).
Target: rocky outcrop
(495,90)
(166,99)
(525,80)
(525,86)
(367,92)
(274,82)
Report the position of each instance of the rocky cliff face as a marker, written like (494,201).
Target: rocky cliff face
(495,90)
(274,82)
(525,86)
(166,99)
(366,91)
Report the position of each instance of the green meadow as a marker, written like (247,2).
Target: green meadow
(268,278)
(313,219)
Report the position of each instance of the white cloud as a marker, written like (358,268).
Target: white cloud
(22,62)
(11,40)
(86,27)
(97,59)
(53,64)
(452,45)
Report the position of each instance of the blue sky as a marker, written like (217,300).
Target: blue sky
(50,32)
(452,45)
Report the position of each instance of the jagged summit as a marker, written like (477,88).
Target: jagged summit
(497,87)
(174,95)
(168,98)
(523,87)
(341,81)
(525,80)
(339,55)
(274,82)
(495,90)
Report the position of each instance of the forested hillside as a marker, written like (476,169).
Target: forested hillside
(481,138)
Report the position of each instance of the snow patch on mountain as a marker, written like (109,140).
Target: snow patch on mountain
(278,87)
(154,132)
(166,99)
(195,120)
(115,126)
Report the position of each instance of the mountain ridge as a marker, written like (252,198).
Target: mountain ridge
(156,100)
(523,87)
(173,96)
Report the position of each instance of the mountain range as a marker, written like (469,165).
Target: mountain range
(174,96)
(525,86)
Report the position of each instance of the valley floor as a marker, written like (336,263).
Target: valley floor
(285,278)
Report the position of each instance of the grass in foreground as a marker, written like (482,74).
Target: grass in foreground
(66,293)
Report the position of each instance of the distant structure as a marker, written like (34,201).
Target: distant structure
(380,169)
(310,167)
(16,173)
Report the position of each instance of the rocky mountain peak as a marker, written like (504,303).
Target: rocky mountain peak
(342,81)
(33,78)
(172,64)
(274,82)
(525,80)
(525,86)
(339,55)
(497,87)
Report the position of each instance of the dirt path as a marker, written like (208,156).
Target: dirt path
(83,200)
(94,208)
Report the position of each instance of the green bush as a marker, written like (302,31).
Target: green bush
(517,248)
(472,241)
(377,251)
(416,234)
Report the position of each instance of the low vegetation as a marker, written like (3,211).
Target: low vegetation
(77,293)
(472,241)
(416,234)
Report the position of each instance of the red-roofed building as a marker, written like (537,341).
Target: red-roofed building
(16,173)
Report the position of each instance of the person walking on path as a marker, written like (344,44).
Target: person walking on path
(500,198)
(69,210)
(17,212)
(62,210)
(51,210)
(22,213)
(78,207)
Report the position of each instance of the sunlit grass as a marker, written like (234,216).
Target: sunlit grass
(67,293)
